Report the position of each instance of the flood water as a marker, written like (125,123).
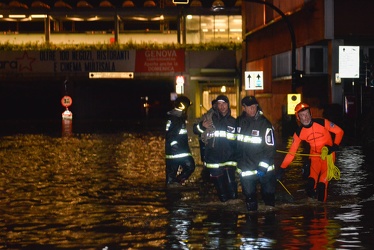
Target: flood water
(106,191)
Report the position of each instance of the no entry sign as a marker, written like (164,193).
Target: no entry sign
(66,101)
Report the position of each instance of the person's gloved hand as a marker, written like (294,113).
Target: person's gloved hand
(261,171)
(332,148)
(280,173)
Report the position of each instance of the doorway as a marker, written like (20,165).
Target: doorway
(210,91)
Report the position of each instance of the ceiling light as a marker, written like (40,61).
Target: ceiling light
(39,4)
(238,3)
(128,3)
(218,5)
(62,4)
(106,4)
(84,4)
(196,3)
(149,3)
(38,16)
(17,16)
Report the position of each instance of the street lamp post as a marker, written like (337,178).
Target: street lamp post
(293,39)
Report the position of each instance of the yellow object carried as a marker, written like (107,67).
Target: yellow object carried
(332,170)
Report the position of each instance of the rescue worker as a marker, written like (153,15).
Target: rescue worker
(202,139)
(220,148)
(317,133)
(179,161)
(255,154)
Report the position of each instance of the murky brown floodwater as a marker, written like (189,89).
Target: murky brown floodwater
(106,191)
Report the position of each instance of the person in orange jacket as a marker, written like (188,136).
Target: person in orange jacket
(317,133)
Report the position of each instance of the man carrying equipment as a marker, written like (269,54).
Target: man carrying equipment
(220,147)
(317,133)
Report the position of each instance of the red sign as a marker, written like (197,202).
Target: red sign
(66,101)
(159,60)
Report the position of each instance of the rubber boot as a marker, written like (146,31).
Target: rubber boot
(309,188)
(170,176)
(269,199)
(219,182)
(232,186)
(321,191)
(251,204)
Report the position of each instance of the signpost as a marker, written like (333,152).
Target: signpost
(67,116)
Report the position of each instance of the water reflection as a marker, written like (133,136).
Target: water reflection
(106,191)
(258,231)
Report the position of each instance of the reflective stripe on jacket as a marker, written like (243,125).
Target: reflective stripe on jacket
(176,137)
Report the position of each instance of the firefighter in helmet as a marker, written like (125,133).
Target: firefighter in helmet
(317,133)
(179,161)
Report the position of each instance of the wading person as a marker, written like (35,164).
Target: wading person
(218,134)
(255,154)
(204,136)
(179,161)
(317,133)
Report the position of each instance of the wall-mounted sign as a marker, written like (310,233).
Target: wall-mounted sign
(107,75)
(148,61)
(254,80)
(292,101)
(349,61)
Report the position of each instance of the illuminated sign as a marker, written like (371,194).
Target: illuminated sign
(129,75)
(181,1)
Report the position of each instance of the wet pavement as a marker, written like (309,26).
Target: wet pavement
(106,191)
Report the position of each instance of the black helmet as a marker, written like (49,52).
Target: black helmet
(182,103)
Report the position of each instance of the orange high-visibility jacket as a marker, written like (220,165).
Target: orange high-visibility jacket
(317,135)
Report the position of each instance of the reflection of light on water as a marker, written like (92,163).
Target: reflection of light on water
(351,216)
(178,228)
(349,234)
(256,243)
(107,191)
(350,161)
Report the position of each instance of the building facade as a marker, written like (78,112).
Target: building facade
(320,28)
(294,43)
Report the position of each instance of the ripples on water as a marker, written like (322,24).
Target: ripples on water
(106,191)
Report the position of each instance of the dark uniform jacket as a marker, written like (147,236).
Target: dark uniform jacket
(176,138)
(255,142)
(221,145)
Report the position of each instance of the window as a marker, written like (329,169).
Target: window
(218,28)
(315,60)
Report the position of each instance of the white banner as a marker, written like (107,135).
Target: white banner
(23,62)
